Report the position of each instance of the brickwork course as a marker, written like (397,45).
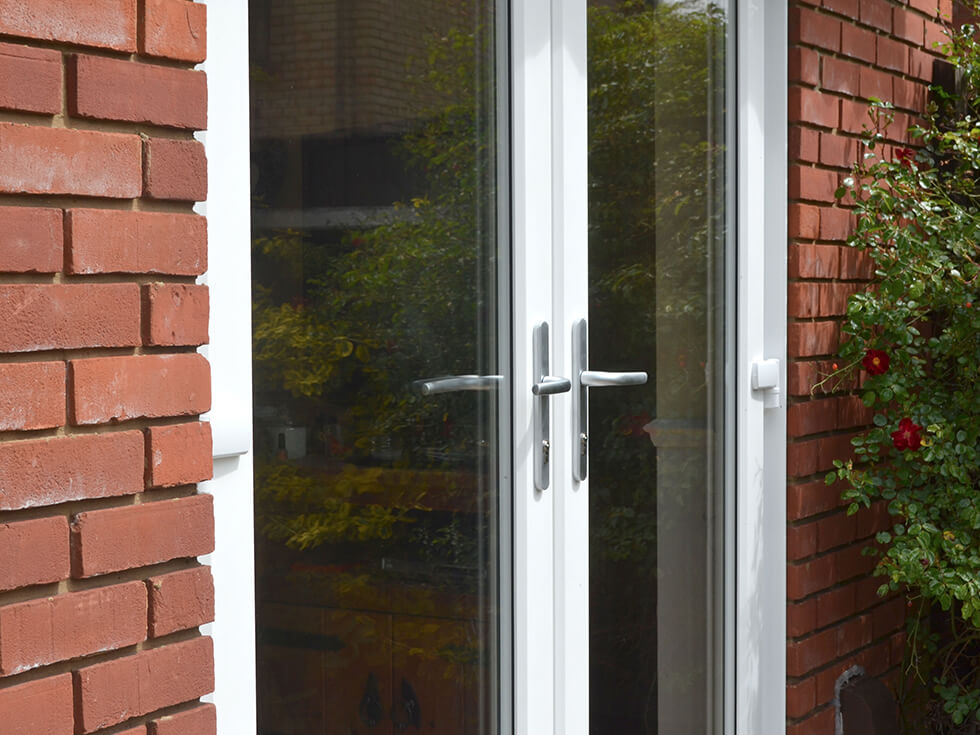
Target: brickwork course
(842,53)
(101,386)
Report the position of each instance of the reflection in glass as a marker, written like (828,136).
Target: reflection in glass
(657,173)
(375,254)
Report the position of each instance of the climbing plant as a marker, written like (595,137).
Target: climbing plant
(912,343)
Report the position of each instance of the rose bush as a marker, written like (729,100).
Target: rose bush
(912,343)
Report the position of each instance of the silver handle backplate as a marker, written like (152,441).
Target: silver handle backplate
(544,386)
(582,380)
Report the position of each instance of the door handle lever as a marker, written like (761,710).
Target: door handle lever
(582,380)
(549,385)
(453,383)
(600,378)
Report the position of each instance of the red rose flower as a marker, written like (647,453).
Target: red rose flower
(876,362)
(907,436)
(904,156)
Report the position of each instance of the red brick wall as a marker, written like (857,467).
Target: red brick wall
(101,386)
(842,52)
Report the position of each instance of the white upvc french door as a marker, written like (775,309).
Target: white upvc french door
(549,537)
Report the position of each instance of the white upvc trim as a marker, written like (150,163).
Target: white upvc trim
(569,275)
(760,525)
(531,161)
(230,355)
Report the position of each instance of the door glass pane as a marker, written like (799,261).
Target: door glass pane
(378,262)
(657,244)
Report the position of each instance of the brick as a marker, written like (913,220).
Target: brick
(876,84)
(814,261)
(34,552)
(198,721)
(840,76)
(107,389)
(180,600)
(847,8)
(897,649)
(834,531)
(31,240)
(889,617)
(811,576)
(854,117)
(811,653)
(804,65)
(853,413)
(812,183)
(921,65)
(858,43)
(836,604)
(814,378)
(909,95)
(877,13)
(175,169)
(936,37)
(876,659)
(801,541)
(818,724)
(810,299)
(107,24)
(30,79)
(853,634)
(817,455)
(110,540)
(892,55)
(41,632)
(908,26)
(174,29)
(801,697)
(40,706)
(856,264)
(63,317)
(800,618)
(113,692)
(814,29)
(929,7)
(105,241)
(804,144)
(39,160)
(32,395)
(810,106)
(178,455)
(839,151)
(115,89)
(819,299)
(812,417)
(808,339)
(808,499)
(804,221)
(50,471)
(835,224)
(177,314)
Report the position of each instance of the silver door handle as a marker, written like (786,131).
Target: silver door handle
(549,385)
(582,380)
(453,383)
(600,378)
(544,386)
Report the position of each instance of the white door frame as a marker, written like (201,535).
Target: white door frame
(755,643)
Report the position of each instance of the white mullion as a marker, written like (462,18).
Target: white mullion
(533,510)
(570,276)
